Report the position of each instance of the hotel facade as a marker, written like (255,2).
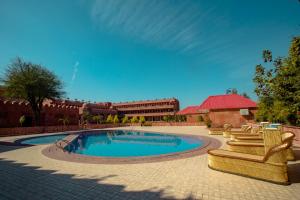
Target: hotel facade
(55,110)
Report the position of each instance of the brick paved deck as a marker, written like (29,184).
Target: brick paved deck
(27,174)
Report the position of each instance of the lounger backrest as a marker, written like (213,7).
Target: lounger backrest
(287,141)
(248,129)
(244,127)
(227,127)
(288,137)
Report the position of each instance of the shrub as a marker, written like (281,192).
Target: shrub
(97,118)
(125,120)
(22,120)
(142,119)
(134,120)
(165,118)
(109,119)
(116,119)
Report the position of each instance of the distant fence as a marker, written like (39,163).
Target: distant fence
(178,124)
(51,129)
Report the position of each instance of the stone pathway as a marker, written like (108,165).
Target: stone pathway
(26,174)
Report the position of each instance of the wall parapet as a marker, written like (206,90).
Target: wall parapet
(51,129)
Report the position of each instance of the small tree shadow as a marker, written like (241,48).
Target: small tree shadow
(8,146)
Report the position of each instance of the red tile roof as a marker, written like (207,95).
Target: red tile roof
(189,110)
(220,102)
(227,101)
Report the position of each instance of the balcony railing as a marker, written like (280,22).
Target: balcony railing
(145,107)
(150,114)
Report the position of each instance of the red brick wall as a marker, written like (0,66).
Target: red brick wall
(192,118)
(231,116)
(35,130)
(11,111)
(51,129)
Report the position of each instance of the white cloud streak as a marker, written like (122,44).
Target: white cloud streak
(75,70)
(175,25)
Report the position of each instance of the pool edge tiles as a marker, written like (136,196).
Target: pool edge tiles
(61,154)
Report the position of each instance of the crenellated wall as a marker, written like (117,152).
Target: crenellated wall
(12,110)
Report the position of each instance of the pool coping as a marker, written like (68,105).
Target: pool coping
(57,151)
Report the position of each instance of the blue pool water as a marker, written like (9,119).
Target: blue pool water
(43,139)
(130,143)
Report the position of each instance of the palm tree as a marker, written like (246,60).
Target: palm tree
(64,120)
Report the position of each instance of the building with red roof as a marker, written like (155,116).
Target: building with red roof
(220,109)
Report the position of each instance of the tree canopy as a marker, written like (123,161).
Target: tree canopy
(31,82)
(235,91)
(278,86)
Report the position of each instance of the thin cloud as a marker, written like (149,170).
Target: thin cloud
(179,26)
(75,70)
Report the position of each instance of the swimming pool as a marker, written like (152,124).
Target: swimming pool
(131,144)
(42,139)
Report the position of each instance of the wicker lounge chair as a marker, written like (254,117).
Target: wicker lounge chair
(219,131)
(228,133)
(270,167)
(215,131)
(258,148)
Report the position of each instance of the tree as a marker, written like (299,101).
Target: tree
(125,120)
(22,120)
(86,116)
(134,120)
(231,91)
(64,120)
(165,118)
(244,94)
(278,88)
(142,119)
(116,119)
(97,118)
(31,82)
(267,56)
(109,119)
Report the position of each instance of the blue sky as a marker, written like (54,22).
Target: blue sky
(145,49)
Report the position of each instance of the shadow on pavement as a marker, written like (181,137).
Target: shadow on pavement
(18,181)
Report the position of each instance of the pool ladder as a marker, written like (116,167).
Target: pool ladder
(58,145)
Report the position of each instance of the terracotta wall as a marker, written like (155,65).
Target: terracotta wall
(231,116)
(11,111)
(192,118)
(35,130)
(51,129)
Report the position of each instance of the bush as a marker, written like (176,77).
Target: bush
(116,119)
(22,120)
(125,120)
(142,119)
(109,119)
(134,120)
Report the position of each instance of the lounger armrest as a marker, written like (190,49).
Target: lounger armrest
(235,155)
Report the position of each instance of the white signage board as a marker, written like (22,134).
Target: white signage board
(244,111)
